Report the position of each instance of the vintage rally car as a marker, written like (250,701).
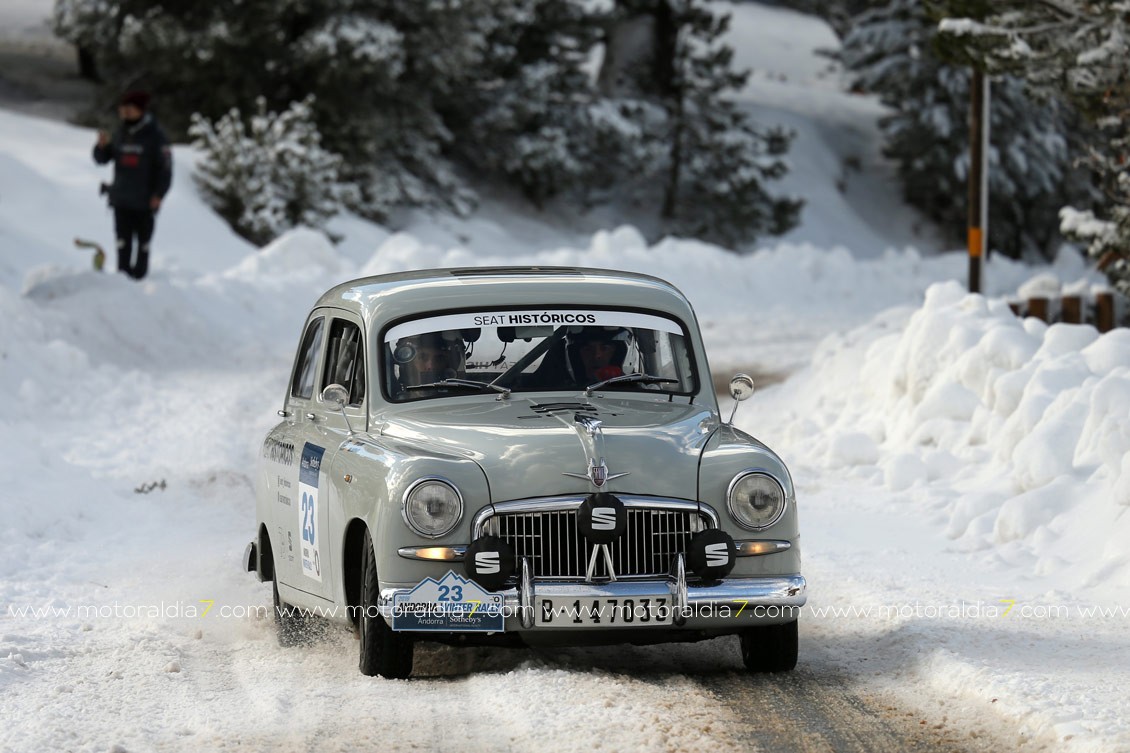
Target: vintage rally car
(520,456)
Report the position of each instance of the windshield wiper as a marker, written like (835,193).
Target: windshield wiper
(637,377)
(467,384)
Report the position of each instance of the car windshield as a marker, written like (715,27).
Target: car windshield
(529,351)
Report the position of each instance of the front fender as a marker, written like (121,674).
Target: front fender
(380,472)
(728,453)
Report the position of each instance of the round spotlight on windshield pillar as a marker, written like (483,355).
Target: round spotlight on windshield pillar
(712,554)
(489,561)
(602,518)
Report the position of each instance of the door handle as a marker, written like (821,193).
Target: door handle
(311,417)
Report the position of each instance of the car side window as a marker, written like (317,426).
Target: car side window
(302,385)
(345,360)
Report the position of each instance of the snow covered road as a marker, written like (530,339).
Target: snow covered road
(206,672)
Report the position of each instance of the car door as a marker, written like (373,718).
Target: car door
(344,365)
(332,353)
(299,522)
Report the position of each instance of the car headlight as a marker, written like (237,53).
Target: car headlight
(756,500)
(432,507)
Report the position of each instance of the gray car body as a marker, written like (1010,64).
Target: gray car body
(493,450)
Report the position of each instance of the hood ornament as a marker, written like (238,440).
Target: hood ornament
(597,473)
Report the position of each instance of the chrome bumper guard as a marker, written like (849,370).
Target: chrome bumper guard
(732,593)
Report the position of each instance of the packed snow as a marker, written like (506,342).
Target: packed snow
(1009,441)
(963,475)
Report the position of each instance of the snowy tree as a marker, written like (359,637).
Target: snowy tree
(405,152)
(525,118)
(535,116)
(377,68)
(268,173)
(892,52)
(718,163)
(415,96)
(839,14)
(1076,50)
(206,57)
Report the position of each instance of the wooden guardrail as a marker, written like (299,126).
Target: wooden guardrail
(1101,310)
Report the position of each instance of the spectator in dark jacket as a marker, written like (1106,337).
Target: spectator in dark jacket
(143,172)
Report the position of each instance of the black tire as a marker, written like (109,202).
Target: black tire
(290,624)
(383,651)
(770,648)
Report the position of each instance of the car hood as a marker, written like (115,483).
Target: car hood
(525,446)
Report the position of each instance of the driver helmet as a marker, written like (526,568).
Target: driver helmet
(608,365)
(429,357)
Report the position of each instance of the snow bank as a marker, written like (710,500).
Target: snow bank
(1029,423)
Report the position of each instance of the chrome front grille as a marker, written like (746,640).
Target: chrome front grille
(556,550)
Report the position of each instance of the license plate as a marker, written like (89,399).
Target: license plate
(604,612)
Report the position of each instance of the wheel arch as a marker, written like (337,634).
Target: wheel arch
(266,555)
(351,575)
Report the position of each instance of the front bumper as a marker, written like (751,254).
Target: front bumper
(731,603)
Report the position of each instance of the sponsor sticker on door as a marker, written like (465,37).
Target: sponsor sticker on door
(309,473)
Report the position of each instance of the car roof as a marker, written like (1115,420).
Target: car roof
(384,298)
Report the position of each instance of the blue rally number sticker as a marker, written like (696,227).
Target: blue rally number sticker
(451,604)
(308,473)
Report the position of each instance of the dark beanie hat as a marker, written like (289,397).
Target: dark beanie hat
(137,98)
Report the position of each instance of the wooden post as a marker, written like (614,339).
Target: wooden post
(1072,309)
(977,235)
(1038,307)
(1104,311)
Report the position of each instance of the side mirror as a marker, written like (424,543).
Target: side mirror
(741,389)
(338,396)
(335,395)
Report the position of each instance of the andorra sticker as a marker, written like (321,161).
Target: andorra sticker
(310,545)
(451,604)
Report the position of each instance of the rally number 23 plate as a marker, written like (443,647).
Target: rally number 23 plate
(451,604)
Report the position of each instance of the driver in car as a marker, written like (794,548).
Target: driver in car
(596,354)
(432,363)
(426,358)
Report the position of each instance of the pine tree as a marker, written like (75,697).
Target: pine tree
(892,52)
(267,173)
(525,118)
(1077,51)
(405,152)
(718,162)
(534,115)
(839,14)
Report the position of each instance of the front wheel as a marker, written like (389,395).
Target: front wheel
(383,651)
(770,648)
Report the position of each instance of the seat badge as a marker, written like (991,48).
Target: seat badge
(598,474)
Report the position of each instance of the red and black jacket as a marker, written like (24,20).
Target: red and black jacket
(143,164)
